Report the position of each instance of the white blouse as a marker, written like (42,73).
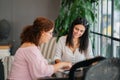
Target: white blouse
(64,53)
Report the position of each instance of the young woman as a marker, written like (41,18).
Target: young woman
(76,46)
(29,64)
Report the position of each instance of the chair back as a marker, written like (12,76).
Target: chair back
(1,71)
(108,69)
(48,49)
(7,62)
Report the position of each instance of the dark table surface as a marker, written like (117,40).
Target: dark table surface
(63,76)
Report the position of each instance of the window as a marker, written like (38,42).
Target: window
(106,32)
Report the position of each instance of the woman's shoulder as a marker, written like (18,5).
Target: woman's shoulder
(28,48)
(63,37)
(32,50)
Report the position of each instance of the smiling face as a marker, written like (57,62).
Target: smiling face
(78,31)
(46,36)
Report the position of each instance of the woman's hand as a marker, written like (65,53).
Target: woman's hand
(94,63)
(67,66)
(57,61)
(62,65)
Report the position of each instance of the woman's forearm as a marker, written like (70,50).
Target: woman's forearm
(61,65)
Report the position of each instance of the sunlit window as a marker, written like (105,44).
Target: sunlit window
(106,32)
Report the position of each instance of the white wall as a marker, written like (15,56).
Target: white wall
(22,12)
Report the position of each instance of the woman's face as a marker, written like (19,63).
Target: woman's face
(78,31)
(46,36)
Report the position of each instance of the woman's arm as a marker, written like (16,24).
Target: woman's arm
(62,65)
(59,50)
(89,52)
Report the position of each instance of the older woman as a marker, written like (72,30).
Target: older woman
(29,64)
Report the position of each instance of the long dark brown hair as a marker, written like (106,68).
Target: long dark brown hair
(83,40)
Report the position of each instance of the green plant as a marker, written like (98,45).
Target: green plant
(117,4)
(70,9)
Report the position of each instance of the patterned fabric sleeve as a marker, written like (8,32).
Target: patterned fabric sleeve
(89,52)
(59,46)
